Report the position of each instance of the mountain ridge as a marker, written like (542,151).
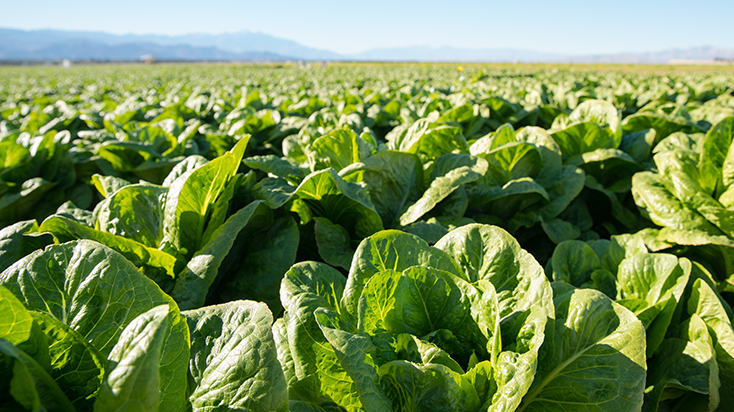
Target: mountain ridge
(49,44)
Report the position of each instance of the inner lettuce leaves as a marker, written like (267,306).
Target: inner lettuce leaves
(409,316)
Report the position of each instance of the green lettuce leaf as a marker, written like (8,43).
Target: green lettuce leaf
(233,359)
(66,281)
(132,379)
(596,360)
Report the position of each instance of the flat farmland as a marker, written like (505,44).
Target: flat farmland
(367,237)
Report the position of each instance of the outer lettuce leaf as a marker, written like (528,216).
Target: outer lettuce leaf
(523,335)
(582,138)
(16,322)
(134,212)
(66,281)
(573,262)
(684,364)
(430,143)
(664,125)
(681,177)
(274,191)
(651,285)
(276,166)
(315,375)
(596,360)
(606,165)
(338,149)
(505,201)
(431,387)
(30,385)
(18,240)
(663,208)
(188,164)
(600,112)
(549,150)
(705,303)
(233,359)
(142,256)
(132,378)
(76,366)
(715,164)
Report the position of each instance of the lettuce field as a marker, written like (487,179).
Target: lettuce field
(366,238)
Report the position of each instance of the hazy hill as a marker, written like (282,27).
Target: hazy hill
(249,46)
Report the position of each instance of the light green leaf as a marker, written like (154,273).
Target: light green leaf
(715,164)
(390,250)
(319,376)
(430,143)
(582,138)
(352,352)
(705,303)
(427,387)
(188,164)
(191,198)
(651,285)
(600,112)
(420,300)
(663,208)
(15,320)
(337,149)
(485,252)
(134,212)
(107,185)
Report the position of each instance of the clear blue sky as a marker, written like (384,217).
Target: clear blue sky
(576,27)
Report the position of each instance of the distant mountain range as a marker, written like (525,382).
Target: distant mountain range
(39,45)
